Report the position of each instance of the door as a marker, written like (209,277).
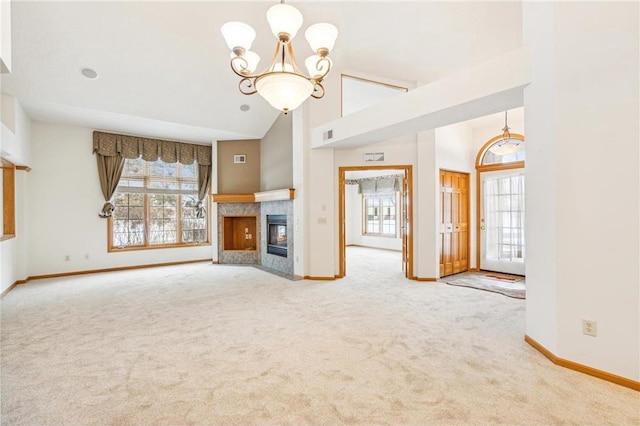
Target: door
(454,222)
(502,243)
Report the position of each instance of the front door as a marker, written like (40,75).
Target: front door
(502,245)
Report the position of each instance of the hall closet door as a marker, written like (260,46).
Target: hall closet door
(454,222)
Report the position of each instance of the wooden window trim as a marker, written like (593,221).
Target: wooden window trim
(147,178)
(8,200)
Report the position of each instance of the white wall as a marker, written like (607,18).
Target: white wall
(5,36)
(65,195)
(583,245)
(16,147)
(276,155)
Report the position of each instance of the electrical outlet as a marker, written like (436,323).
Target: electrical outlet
(590,327)
(67,258)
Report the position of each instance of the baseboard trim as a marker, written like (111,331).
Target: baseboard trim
(312,278)
(426,279)
(610,377)
(11,287)
(118,268)
(215,262)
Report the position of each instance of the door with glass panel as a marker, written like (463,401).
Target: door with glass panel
(502,219)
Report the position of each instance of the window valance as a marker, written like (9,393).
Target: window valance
(377,185)
(111,145)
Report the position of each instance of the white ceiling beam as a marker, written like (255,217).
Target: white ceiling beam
(489,87)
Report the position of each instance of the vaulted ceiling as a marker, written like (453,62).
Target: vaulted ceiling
(163,67)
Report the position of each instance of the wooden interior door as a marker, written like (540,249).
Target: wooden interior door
(454,222)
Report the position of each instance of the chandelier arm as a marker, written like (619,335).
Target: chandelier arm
(294,62)
(274,58)
(247,86)
(243,62)
(318,89)
(320,67)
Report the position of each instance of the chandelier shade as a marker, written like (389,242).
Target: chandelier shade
(510,146)
(321,36)
(284,90)
(238,34)
(282,83)
(284,19)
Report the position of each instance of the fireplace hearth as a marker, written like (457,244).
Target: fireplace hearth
(277,235)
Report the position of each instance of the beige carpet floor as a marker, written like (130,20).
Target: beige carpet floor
(214,344)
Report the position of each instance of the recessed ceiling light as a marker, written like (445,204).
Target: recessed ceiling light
(89,73)
(244,107)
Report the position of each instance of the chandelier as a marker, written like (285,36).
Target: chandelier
(506,145)
(282,83)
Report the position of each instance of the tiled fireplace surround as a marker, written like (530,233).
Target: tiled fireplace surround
(260,257)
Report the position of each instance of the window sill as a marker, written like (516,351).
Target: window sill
(155,247)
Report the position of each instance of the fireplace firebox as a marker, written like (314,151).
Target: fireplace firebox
(277,234)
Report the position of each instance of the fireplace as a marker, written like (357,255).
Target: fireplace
(277,234)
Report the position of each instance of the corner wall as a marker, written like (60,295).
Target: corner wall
(15,145)
(584,244)
(65,198)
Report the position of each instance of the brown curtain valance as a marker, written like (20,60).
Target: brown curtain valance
(111,145)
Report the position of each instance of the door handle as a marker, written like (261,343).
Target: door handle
(482,227)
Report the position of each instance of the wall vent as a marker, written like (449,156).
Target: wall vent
(327,135)
(373,156)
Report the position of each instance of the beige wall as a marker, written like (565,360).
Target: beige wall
(276,155)
(238,178)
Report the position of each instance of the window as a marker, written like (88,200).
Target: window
(380,214)
(156,206)
(489,158)
(504,214)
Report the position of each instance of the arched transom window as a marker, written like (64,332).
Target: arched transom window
(501,151)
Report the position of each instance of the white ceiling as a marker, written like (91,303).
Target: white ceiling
(164,67)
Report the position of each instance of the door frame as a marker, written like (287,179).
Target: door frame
(489,168)
(342,240)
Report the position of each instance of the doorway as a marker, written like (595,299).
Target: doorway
(403,214)
(500,190)
(502,221)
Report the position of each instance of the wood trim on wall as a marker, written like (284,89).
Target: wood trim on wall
(426,279)
(11,287)
(117,268)
(8,199)
(610,377)
(408,171)
(312,278)
(96,271)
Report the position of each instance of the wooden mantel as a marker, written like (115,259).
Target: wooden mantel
(257,197)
